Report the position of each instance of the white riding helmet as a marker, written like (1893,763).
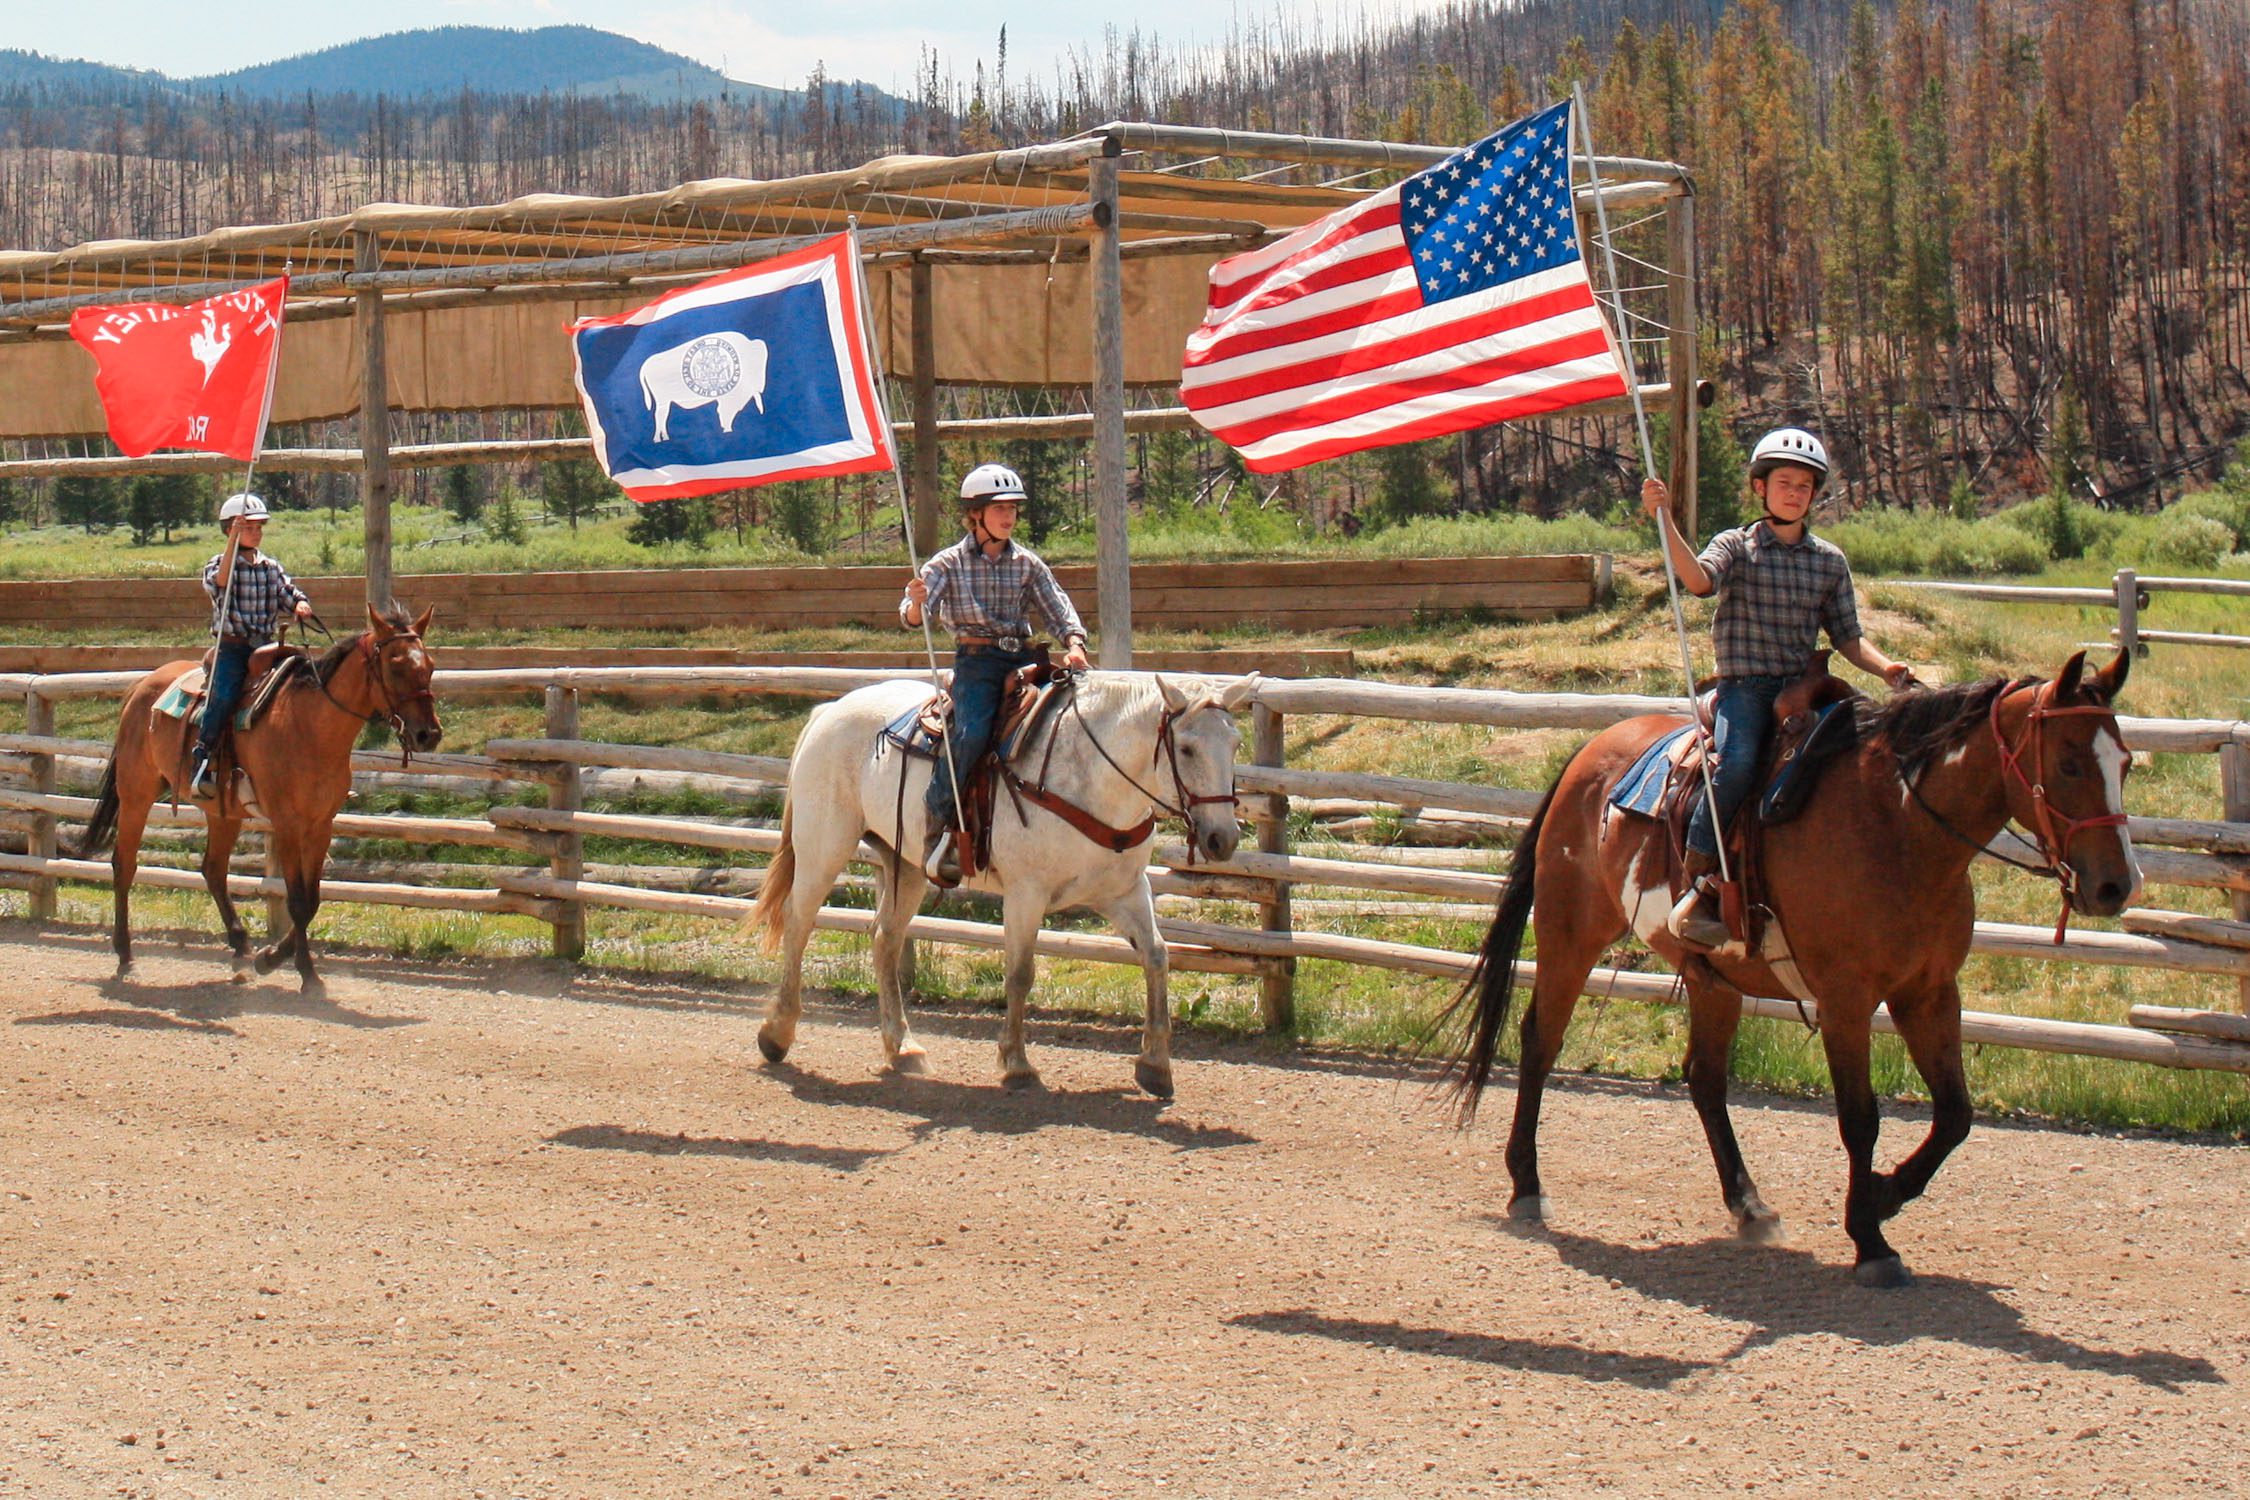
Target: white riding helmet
(1790,445)
(988,482)
(242,508)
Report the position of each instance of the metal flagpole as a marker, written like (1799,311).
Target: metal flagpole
(1648,463)
(265,413)
(905,510)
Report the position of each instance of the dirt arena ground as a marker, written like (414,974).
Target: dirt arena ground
(468,1230)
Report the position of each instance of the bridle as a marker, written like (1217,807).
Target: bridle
(2051,829)
(391,709)
(1118,840)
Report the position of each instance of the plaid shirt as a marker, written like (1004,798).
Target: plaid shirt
(1775,597)
(972,594)
(263,590)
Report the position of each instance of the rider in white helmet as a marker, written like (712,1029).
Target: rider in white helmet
(1779,586)
(249,593)
(985,589)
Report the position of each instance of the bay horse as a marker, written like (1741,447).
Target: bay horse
(1123,749)
(1870,884)
(299,759)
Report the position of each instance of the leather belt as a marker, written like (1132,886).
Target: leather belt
(1000,642)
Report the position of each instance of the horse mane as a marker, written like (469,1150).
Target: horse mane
(335,655)
(1920,726)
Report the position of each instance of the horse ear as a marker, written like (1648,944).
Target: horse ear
(1239,693)
(1174,699)
(2110,679)
(383,628)
(422,621)
(2066,681)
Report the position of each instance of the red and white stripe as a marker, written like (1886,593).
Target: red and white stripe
(1321,344)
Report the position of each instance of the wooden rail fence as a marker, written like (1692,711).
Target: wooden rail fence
(561,771)
(1306,595)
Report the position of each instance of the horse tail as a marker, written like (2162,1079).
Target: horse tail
(101,828)
(1491,984)
(773,891)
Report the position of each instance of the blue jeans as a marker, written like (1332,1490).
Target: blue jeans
(980,680)
(1743,711)
(228,668)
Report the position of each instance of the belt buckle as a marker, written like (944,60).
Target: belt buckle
(1009,643)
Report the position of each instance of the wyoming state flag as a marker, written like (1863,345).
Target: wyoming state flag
(753,377)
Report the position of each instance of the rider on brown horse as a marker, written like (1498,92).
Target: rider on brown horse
(249,593)
(1778,587)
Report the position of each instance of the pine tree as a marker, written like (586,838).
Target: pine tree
(464,495)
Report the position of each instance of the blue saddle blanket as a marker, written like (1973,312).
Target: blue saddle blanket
(1643,786)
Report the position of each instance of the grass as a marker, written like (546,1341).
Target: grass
(1624,647)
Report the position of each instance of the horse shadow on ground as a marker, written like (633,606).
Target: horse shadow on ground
(207,1007)
(933,1106)
(656,1143)
(1778,1293)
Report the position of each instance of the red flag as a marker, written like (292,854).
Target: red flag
(198,377)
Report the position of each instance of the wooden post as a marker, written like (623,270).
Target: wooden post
(1679,344)
(277,907)
(2234,791)
(374,425)
(926,504)
(2128,586)
(1112,557)
(39,718)
(569,859)
(1277,986)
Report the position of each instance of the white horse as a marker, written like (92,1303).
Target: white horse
(1127,750)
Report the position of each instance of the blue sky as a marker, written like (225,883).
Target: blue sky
(762,42)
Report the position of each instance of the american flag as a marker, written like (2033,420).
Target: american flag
(1455,299)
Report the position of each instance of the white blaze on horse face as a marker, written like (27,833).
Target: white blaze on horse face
(2112,756)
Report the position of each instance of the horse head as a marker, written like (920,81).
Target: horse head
(398,672)
(1202,739)
(2064,765)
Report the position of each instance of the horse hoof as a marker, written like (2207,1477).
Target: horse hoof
(1153,1079)
(265,962)
(908,1060)
(1761,1229)
(313,989)
(773,1050)
(1026,1082)
(1532,1208)
(1886,1272)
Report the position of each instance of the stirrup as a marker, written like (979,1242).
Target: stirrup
(942,865)
(203,780)
(1691,921)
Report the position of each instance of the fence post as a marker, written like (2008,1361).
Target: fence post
(2234,790)
(1277,986)
(39,718)
(277,907)
(2128,587)
(569,859)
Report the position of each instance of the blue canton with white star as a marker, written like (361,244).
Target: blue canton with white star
(1495,212)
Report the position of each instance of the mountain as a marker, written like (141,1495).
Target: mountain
(19,68)
(445,60)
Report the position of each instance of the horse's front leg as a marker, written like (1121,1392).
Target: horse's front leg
(1844,1031)
(1134,917)
(218,853)
(1021,914)
(1714,1015)
(1930,1025)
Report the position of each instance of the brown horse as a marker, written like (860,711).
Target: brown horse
(1870,884)
(299,759)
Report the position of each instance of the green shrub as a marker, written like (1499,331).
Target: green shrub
(1887,541)
(2228,505)
(2180,538)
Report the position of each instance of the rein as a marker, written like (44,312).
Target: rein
(1116,840)
(389,712)
(2052,831)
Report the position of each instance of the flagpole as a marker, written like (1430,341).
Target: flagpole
(1648,464)
(905,509)
(257,448)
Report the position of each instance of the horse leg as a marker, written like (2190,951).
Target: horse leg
(1020,914)
(1714,1015)
(817,857)
(900,886)
(124,862)
(218,849)
(283,943)
(1845,1033)
(1566,956)
(1134,917)
(304,905)
(1930,1025)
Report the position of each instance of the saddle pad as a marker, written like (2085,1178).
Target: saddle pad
(184,699)
(911,734)
(1643,786)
